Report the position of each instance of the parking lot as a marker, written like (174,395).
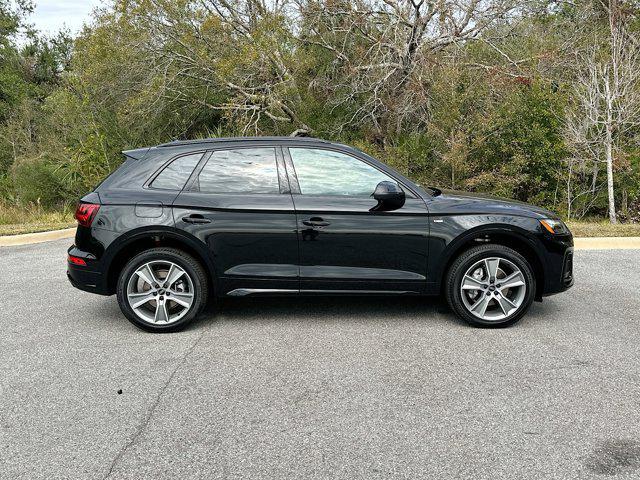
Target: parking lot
(319,388)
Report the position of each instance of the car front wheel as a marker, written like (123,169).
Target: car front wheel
(490,286)
(162,290)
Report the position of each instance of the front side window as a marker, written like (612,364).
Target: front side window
(243,170)
(325,172)
(176,174)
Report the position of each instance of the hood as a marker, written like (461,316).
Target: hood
(481,203)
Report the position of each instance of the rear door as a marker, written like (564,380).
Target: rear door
(239,204)
(345,244)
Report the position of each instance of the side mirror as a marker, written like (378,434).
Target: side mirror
(389,196)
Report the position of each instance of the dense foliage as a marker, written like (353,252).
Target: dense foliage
(473,95)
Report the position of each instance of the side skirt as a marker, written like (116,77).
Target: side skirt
(243,292)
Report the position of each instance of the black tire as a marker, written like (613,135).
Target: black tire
(466,260)
(189,264)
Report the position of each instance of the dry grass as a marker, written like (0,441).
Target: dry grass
(602,228)
(14,221)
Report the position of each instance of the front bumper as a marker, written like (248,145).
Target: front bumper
(559,268)
(86,277)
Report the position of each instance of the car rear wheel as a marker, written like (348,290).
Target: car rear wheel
(162,290)
(490,286)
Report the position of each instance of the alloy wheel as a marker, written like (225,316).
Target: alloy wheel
(493,288)
(160,292)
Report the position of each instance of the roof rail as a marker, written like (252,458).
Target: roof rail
(175,143)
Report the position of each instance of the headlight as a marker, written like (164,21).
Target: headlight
(554,227)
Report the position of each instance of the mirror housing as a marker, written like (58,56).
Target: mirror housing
(389,196)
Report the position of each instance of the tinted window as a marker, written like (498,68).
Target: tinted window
(244,170)
(324,172)
(176,174)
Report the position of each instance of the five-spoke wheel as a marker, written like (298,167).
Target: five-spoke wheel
(493,288)
(160,292)
(162,289)
(490,285)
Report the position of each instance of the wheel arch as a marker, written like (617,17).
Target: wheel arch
(139,240)
(510,236)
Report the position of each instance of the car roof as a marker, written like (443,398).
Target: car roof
(206,143)
(282,139)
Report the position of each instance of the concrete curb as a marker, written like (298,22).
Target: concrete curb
(583,243)
(29,238)
(607,243)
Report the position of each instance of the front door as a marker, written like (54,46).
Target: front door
(345,244)
(239,205)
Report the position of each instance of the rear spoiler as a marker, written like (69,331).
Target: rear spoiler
(136,154)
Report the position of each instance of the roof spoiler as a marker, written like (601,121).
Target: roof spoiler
(137,153)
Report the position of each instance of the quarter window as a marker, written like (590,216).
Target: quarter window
(243,170)
(176,174)
(325,172)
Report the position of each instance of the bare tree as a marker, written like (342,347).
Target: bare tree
(607,96)
(383,48)
(248,51)
(232,57)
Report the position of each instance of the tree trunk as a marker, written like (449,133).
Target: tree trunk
(569,189)
(609,148)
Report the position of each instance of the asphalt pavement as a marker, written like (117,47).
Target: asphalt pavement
(322,388)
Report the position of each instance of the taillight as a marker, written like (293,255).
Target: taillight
(77,261)
(85,213)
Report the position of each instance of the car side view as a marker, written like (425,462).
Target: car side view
(185,221)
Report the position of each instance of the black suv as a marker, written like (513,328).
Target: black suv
(185,220)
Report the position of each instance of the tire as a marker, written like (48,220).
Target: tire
(162,308)
(504,303)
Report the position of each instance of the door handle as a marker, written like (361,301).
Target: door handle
(196,219)
(315,222)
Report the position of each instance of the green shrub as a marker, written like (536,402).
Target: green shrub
(35,182)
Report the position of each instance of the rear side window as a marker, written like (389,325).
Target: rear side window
(242,170)
(176,174)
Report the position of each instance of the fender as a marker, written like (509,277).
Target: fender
(440,258)
(165,232)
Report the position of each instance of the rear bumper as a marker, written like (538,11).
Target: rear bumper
(88,278)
